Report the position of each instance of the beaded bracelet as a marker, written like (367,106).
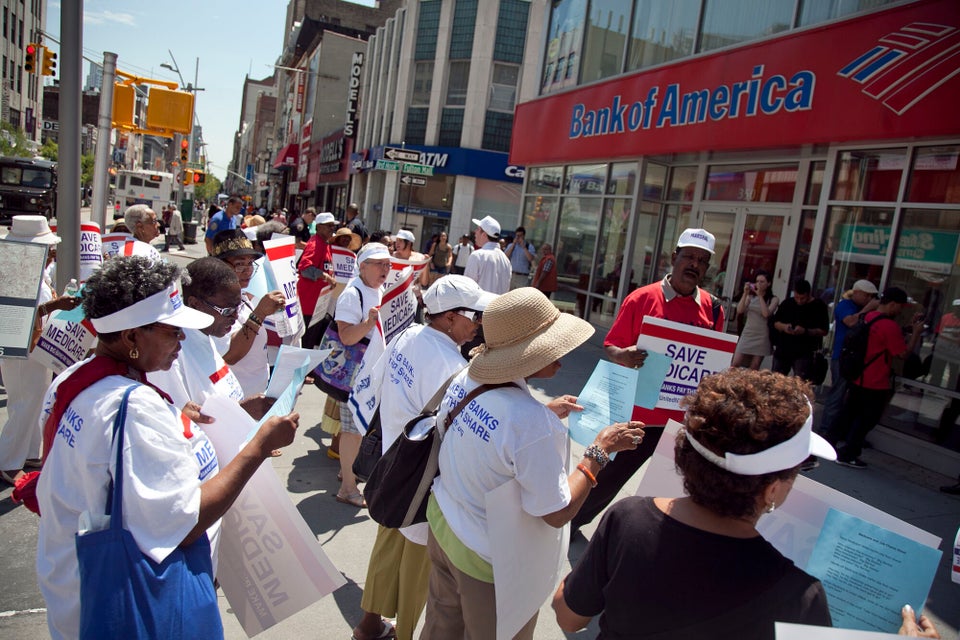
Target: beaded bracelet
(597,454)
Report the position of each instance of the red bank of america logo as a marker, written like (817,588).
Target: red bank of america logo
(908,64)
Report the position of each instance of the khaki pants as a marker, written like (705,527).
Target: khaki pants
(459,606)
(397,578)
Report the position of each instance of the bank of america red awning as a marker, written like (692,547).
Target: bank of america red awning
(287,156)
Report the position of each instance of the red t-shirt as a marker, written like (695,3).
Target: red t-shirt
(652,301)
(316,254)
(885,339)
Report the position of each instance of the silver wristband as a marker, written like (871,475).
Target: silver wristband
(598,455)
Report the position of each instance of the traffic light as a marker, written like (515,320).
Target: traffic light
(199,177)
(49,66)
(184,151)
(187,176)
(30,59)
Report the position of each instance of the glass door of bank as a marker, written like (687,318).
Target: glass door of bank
(749,239)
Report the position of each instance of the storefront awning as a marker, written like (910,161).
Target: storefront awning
(287,157)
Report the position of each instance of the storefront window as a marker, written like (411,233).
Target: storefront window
(498,199)
(663,30)
(539,218)
(623,177)
(645,263)
(564,39)
(436,196)
(585,179)
(814,183)
(926,266)
(683,183)
(579,224)
(654,180)
(869,175)
(935,176)
(817,11)
(606,38)
(608,267)
(726,23)
(752,183)
(856,241)
(544,179)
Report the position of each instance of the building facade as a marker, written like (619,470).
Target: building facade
(21,95)
(441,80)
(814,139)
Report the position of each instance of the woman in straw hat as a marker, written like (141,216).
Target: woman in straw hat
(25,379)
(505,435)
(174,491)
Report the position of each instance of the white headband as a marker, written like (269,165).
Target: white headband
(164,306)
(785,455)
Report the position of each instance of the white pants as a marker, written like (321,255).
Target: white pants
(26,383)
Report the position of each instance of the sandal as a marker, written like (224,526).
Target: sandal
(387,631)
(11,478)
(354,500)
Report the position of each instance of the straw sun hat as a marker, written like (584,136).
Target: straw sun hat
(523,333)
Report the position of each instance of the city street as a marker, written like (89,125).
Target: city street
(347,535)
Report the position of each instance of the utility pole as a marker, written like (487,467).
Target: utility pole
(101,179)
(68,165)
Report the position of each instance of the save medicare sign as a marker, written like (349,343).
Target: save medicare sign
(889,75)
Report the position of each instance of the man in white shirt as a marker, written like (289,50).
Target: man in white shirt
(488,266)
(461,254)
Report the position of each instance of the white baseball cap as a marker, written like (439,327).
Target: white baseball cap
(456,292)
(325,218)
(490,226)
(699,238)
(866,286)
(405,234)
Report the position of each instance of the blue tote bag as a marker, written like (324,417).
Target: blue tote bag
(125,594)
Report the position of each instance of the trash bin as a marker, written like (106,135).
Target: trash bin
(190,232)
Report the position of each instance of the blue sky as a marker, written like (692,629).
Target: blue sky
(230,38)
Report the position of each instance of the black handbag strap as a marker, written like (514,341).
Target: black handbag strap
(115,492)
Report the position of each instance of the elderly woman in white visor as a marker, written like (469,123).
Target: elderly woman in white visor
(504,435)
(174,491)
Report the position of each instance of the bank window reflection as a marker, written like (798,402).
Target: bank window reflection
(726,23)
(606,38)
(855,245)
(544,179)
(935,175)
(683,183)
(585,179)
(578,227)
(539,218)
(623,177)
(872,174)
(748,183)
(663,30)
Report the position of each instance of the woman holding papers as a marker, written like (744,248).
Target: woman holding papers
(245,347)
(505,439)
(745,434)
(416,364)
(174,492)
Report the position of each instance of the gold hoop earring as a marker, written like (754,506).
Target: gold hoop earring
(134,353)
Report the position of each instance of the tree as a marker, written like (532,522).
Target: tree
(208,190)
(49,150)
(13,142)
(86,169)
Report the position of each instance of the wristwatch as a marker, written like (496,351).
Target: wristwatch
(598,455)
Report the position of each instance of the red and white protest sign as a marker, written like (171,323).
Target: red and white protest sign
(91,249)
(281,260)
(694,352)
(344,264)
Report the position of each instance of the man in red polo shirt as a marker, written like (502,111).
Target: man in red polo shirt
(869,394)
(678,298)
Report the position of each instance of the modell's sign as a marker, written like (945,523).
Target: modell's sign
(353,96)
(890,74)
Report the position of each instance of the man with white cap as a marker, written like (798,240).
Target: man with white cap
(415,365)
(858,302)
(488,266)
(679,298)
(25,379)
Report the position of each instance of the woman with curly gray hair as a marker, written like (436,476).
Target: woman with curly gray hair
(745,434)
(174,491)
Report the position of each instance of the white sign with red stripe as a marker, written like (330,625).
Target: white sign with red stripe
(694,352)
(91,249)
(281,260)
(344,264)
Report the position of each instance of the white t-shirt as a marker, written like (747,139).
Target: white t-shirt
(490,268)
(462,253)
(405,378)
(165,460)
(503,434)
(349,310)
(253,369)
(198,373)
